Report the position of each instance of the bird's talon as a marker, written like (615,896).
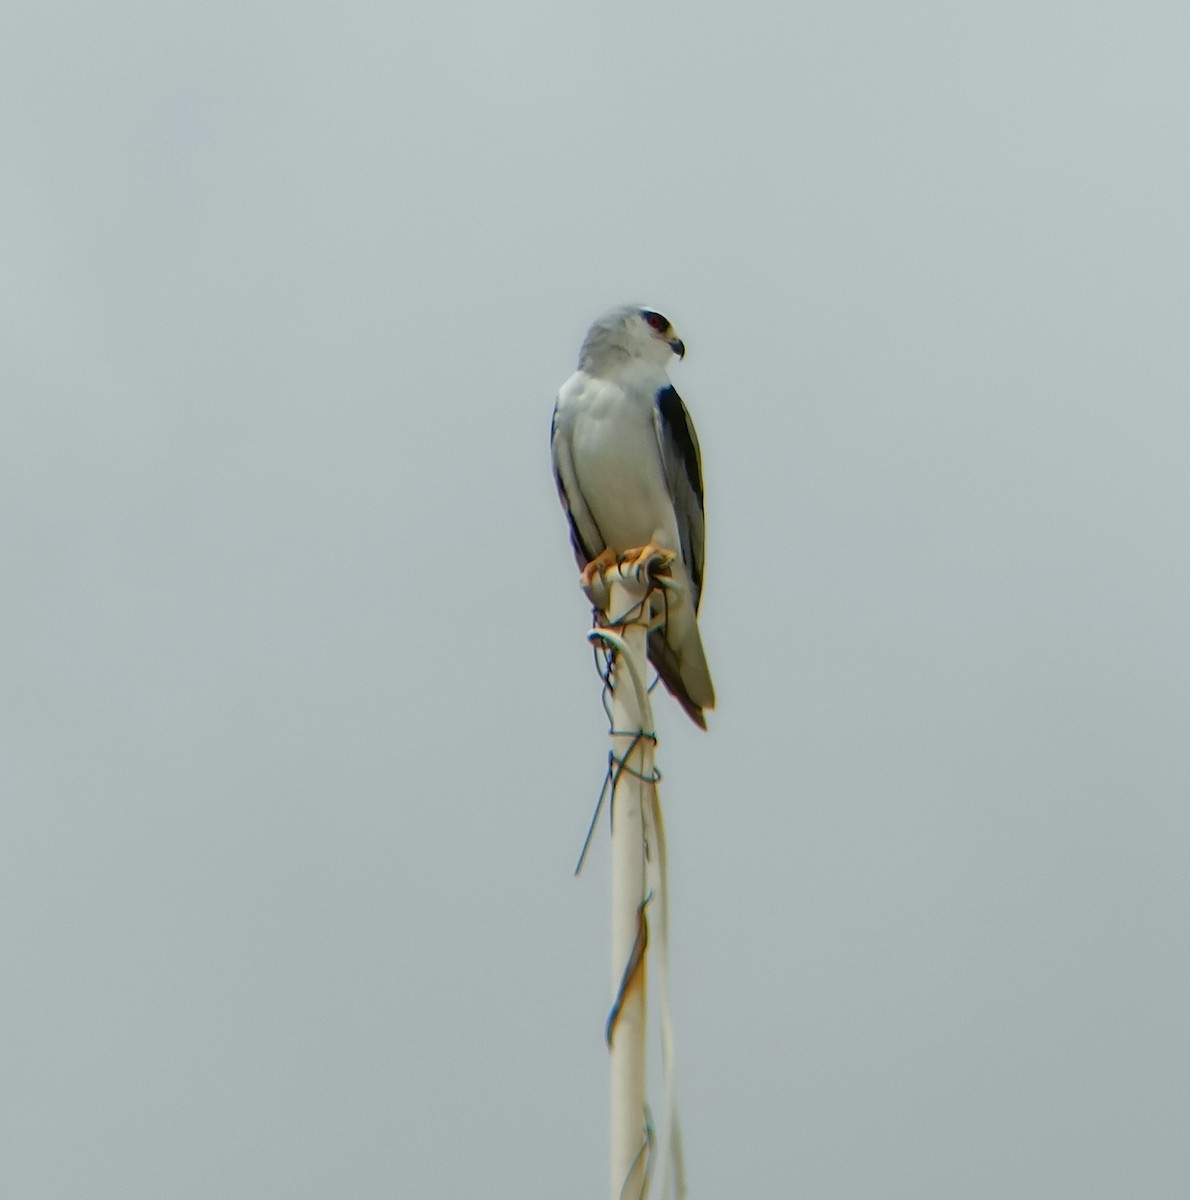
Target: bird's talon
(647,560)
(602,562)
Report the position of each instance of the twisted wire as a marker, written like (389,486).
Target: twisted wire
(618,763)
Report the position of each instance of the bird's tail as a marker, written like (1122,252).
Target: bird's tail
(676,651)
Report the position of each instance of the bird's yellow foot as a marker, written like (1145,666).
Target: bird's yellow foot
(646,559)
(604,560)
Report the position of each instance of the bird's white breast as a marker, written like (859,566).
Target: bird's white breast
(617,462)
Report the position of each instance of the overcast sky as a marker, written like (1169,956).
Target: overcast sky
(299,732)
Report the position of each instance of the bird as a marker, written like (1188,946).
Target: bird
(629,475)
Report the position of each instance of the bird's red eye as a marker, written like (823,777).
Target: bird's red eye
(656,321)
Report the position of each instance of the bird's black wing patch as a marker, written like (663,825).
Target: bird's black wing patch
(683,473)
(676,421)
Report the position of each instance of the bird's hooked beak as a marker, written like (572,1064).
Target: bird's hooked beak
(678,346)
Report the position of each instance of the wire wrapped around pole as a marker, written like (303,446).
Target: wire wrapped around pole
(626,611)
(632,749)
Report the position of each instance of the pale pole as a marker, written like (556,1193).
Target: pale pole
(622,594)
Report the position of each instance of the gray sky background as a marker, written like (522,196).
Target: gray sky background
(300,732)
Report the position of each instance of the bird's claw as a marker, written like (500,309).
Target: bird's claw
(641,564)
(645,561)
(603,561)
(592,580)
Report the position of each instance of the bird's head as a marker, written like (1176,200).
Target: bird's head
(631,331)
